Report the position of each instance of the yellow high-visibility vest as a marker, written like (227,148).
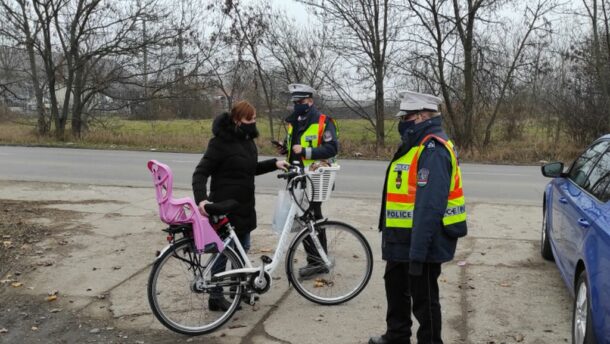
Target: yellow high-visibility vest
(401,186)
(311,137)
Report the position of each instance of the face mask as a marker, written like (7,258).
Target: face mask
(301,109)
(403,126)
(249,129)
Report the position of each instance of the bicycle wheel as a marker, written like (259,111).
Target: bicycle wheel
(351,264)
(176,295)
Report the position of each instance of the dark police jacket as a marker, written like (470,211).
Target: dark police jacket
(329,144)
(230,160)
(426,242)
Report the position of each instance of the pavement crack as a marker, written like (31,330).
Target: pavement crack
(259,327)
(462,323)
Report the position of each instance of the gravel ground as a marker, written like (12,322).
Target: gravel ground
(29,232)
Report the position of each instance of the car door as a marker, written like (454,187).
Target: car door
(574,206)
(595,246)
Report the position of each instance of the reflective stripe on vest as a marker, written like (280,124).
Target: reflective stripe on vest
(401,186)
(311,137)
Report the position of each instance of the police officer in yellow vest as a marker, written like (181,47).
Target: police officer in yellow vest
(422,216)
(312,136)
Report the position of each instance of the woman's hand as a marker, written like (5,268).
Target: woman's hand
(202,207)
(282,165)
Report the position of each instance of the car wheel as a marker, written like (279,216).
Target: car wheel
(582,326)
(545,245)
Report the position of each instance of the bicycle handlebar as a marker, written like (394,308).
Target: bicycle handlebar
(287,175)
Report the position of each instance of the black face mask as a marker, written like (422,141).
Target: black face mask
(248,129)
(403,126)
(301,109)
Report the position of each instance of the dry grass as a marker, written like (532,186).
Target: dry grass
(524,152)
(356,141)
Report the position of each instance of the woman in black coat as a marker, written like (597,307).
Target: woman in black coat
(231,161)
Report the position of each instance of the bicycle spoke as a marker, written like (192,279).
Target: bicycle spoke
(175,298)
(348,271)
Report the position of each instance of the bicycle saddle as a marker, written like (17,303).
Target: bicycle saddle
(221,208)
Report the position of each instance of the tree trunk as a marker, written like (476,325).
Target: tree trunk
(468,114)
(43,125)
(77,104)
(379,111)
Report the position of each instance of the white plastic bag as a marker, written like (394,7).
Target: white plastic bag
(280,213)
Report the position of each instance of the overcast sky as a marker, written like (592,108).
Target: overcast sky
(294,9)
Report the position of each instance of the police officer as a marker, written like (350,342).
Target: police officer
(311,136)
(422,216)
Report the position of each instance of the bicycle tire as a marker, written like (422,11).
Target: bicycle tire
(350,255)
(171,287)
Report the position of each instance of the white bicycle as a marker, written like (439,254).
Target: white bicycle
(184,278)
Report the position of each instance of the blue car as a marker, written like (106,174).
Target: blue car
(576,234)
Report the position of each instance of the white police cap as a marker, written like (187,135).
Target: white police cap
(414,101)
(300,91)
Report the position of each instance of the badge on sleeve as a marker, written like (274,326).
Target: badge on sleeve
(422,177)
(328,136)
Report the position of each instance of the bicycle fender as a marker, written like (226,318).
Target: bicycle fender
(162,252)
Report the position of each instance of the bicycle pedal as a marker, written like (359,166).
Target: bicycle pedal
(266,259)
(250,299)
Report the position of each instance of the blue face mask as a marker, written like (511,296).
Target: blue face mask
(301,109)
(403,126)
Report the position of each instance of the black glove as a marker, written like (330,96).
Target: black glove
(416,268)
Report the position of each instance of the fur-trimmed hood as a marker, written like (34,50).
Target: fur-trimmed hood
(225,128)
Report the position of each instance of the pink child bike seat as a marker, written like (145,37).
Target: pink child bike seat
(178,211)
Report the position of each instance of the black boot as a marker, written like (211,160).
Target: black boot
(382,340)
(312,269)
(219,303)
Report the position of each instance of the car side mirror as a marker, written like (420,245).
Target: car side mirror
(553,169)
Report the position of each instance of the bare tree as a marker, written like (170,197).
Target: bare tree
(309,63)
(230,70)
(459,53)
(99,37)
(535,23)
(86,46)
(22,30)
(249,26)
(578,90)
(12,73)
(298,53)
(367,35)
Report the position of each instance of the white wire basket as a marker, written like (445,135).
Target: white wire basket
(322,182)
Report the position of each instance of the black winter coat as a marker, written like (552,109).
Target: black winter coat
(230,160)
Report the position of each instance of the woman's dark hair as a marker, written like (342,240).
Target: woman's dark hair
(242,110)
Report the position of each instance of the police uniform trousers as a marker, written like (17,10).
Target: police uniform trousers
(312,253)
(404,293)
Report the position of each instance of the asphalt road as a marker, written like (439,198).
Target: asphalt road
(357,178)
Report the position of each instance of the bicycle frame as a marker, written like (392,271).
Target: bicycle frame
(193,266)
(281,247)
